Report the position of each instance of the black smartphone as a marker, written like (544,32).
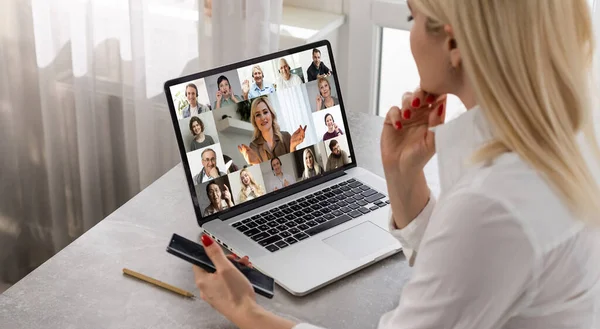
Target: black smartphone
(194,253)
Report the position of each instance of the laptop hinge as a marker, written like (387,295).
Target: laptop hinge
(280,195)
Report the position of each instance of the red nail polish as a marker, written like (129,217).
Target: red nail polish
(416,102)
(398,125)
(206,240)
(234,255)
(441,110)
(407,114)
(430,99)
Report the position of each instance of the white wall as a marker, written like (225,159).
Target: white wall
(209,129)
(293,110)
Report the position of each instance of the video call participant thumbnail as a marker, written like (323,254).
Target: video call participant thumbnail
(200,139)
(332,128)
(193,108)
(250,188)
(220,198)
(325,99)
(280,179)
(225,95)
(338,157)
(311,166)
(209,170)
(268,140)
(317,69)
(286,78)
(259,87)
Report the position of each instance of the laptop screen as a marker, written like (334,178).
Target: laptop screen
(251,130)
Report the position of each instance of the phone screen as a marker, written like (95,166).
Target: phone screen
(194,253)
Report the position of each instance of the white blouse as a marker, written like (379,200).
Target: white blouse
(498,250)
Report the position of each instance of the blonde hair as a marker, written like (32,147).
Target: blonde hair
(259,189)
(254,108)
(322,79)
(315,163)
(531,79)
(257,68)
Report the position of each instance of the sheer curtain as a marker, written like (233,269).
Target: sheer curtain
(84,124)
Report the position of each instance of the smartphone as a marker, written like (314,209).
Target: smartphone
(194,253)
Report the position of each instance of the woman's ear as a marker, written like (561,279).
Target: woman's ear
(452,47)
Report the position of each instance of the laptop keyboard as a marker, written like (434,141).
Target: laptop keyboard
(297,220)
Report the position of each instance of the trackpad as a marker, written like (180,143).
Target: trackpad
(361,240)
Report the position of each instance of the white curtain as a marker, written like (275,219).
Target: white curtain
(84,124)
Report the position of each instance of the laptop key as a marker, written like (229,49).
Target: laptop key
(296,207)
(287,210)
(329,216)
(291,240)
(348,194)
(242,228)
(299,220)
(317,213)
(237,224)
(353,206)
(362,202)
(270,217)
(345,188)
(260,221)
(281,244)
(303,227)
(334,186)
(290,217)
(281,220)
(364,210)
(293,203)
(351,180)
(251,224)
(356,190)
(311,223)
(327,189)
(321,220)
(301,236)
(273,231)
(278,214)
(343,183)
(327,225)
(318,193)
(304,204)
(285,234)
(260,236)
(326,210)
(374,197)
(309,217)
(272,223)
(269,240)
(301,199)
(321,197)
(387,201)
(272,248)
(345,209)
(334,207)
(355,184)
(358,197)
(255,217)
(294,230)
(374,208)
(247,220)
(355,213)
(342,203)
(336,213)
(291,224)
(263,227)
(368,192)
(340,196)
(299,213)
(364,187)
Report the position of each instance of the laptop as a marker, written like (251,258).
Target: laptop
(271,169)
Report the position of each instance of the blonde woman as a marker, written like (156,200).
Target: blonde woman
(311,166)
(250,189)
(513,240)
(268,140)
(325,99)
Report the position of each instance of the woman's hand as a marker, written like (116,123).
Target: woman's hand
(319,102)
(245,89)
(297,138)
(406,147)
(229,292)
(249,154)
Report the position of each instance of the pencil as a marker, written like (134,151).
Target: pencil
(158,283)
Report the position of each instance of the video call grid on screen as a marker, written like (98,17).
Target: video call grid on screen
(222,116)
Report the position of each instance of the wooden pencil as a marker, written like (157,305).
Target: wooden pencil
(158,283)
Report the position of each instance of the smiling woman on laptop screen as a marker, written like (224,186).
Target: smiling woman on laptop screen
(268,141)
(513,241)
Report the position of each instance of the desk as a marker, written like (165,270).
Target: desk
(82,286)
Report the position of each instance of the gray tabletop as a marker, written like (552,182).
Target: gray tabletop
(83,286)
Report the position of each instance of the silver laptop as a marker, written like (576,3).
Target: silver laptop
(272,172)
